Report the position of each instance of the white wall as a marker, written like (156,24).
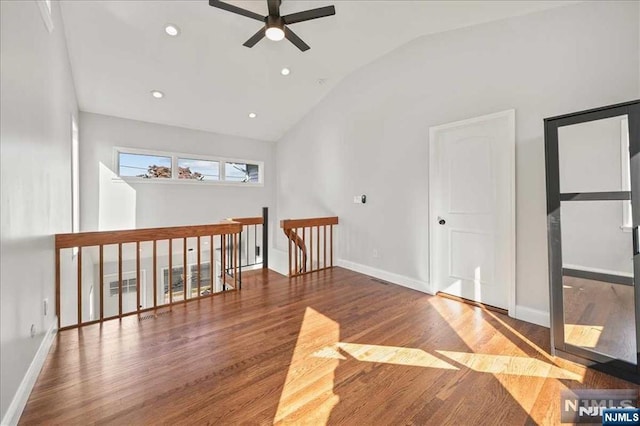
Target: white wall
(370,135)
(37,101)
(106,204)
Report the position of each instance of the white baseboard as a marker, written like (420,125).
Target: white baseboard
(398,279)
(534,316)
(19,401)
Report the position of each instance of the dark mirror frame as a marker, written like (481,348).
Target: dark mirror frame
(559,347)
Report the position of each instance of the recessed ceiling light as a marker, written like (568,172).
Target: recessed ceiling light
(157,94)
(252,115)
(285,71)
(172,30)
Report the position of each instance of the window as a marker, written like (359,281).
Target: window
(75,177)
(134,164)
(198,169)
(177,280)
(177,283)
(241,172)
(144,166)
(128,286)
(75,180)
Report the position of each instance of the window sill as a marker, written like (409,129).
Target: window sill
(156,181)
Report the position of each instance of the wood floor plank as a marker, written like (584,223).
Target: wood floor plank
(334,347)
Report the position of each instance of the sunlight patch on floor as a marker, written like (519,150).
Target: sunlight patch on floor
(384,354)
(503,364)
(307,380)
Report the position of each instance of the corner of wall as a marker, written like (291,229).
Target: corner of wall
(20,398)
(398,279)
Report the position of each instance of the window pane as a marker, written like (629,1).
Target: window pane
(242,172)
(198,169)
(144,166)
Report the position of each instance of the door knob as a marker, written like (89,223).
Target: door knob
(441,221)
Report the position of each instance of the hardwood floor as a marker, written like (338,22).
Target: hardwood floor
(334,347)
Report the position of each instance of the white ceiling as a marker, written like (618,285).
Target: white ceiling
(119,53)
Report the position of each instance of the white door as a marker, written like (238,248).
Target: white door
(471,206)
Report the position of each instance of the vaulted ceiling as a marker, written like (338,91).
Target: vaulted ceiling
(120,52)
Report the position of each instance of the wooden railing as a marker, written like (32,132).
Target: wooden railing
(97,255)
(310,245)
(254,240)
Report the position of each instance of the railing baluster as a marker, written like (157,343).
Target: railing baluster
(199,269)
(235,263)
(264,251)
(101,282)
(331,245)
(246,238)
(303,249)
(297,270)
(79,283)
(223,259)
(155,274)
(120,280)
(184,269)
(310,249)
(211,265)
(138,286)
(318,245)
(324,240)
(58,313)
(289,240)
(170,274)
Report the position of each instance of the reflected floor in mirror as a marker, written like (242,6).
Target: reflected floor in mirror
(600,316)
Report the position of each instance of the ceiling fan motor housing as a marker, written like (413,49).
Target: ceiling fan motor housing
(275,22)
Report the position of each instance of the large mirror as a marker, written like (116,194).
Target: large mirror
(597,247)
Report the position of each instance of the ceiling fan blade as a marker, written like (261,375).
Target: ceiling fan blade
(307,15)
(274,7)
(297,41)
(254,38)
(235,9)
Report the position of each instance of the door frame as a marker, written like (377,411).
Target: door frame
(510,238)
(596,360)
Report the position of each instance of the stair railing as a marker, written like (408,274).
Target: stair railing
(310,244)
(84,260)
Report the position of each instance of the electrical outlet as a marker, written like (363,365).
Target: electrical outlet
(45,307)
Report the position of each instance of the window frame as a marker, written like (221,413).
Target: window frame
(190,267)
(174,179)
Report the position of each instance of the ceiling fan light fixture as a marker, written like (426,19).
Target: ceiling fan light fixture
(274,33)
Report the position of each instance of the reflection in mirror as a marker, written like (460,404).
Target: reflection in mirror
(592,238)
(594,156)
(600,316)
(597,264)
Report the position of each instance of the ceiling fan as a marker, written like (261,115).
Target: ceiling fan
(276,26)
